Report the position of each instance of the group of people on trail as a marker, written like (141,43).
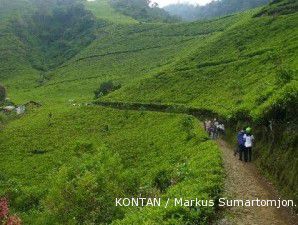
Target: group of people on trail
(214,128)
(245,141)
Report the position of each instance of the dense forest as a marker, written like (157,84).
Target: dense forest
(215,8)
(55,31)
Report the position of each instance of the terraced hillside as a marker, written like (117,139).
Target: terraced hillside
(239,69)
(121,53)
(242,67)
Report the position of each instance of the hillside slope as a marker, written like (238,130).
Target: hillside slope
(237,70)
(91,155)
(213,9)
(247,74)
(242,67)
(123,53)
(103,10)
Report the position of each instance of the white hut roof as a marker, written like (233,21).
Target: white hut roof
(10,107)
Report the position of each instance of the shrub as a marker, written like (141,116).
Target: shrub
(162,180)
(105,88)
(81,192)
(5,217)
(3,208)
(13,220)
(188,127)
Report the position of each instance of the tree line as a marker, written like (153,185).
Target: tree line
(143,10)
(216,8)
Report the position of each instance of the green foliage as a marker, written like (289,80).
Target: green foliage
(55,33)
(279,7)
(162,180)
(81,192)
(282,105)
(12,8)
(229,66)
(105,88)
(213,9)
(3,118)
(82,147)
(285,76)
(102,9)
(2,94)
(232,71)
(141,11)
(87,167)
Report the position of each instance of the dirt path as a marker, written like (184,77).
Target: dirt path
(244,182)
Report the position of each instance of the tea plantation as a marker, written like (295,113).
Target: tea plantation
(71,168)
(66,161)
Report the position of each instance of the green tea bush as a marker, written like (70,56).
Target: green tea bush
(83,191)
(162,180)
(219,66)
(281,105)
(82,147)
(279,7)
(27,198)
(284,76)
(84,169)
(188,127)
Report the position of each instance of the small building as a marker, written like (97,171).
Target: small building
(9,108)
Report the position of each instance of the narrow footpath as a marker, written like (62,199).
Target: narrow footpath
(243,181)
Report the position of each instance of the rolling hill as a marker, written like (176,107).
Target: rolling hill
(241,67)
(213,9)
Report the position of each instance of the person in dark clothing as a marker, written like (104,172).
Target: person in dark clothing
(241,142)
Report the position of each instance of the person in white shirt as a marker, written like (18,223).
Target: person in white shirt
(215,127)
(248,143)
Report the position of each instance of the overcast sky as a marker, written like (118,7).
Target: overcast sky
(162,3)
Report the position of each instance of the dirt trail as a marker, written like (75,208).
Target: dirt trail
(243,181)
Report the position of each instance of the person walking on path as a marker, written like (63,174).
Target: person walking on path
(241,144)
(208,127)
(215,128)
(248,143)
(221,130)
(205,125)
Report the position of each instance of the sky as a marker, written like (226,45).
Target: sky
(163,3)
